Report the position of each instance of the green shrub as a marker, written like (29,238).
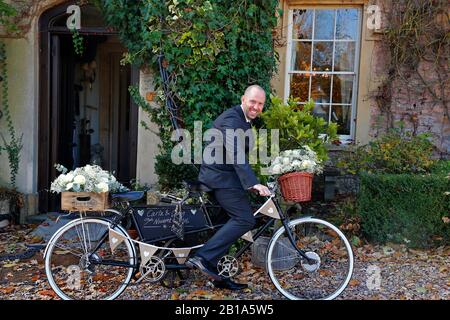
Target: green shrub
(441,167)
(402,208)
(170,175)
(298,126)
(395,152)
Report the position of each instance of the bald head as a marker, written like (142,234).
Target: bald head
(253,101)
(252,88)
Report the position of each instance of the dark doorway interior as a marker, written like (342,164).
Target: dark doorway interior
(85,113)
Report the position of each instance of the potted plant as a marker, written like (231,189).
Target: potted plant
(85,188)
(298,125)
(294,170)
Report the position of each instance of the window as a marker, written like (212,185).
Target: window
(322,60)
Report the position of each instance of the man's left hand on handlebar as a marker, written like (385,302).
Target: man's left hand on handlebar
(262,190)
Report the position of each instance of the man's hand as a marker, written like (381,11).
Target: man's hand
(262,189)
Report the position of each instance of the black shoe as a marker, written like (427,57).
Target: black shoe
(202,266)
(228,284)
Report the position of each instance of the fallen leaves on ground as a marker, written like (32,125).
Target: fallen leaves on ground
(49,293)
(405,274)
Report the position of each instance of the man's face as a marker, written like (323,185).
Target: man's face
(253,103)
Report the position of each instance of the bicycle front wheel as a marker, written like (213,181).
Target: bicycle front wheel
(80,265)
(294,277)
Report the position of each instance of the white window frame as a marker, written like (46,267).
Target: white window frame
(343,138)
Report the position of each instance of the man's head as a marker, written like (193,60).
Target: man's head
(253,101)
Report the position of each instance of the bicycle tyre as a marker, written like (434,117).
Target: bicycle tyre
(70,274)
(293,277)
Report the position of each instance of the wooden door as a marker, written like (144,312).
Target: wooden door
(118,115)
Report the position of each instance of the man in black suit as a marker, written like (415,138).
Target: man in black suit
(229,182)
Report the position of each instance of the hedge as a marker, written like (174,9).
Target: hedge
(405,208)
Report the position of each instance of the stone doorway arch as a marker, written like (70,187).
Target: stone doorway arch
(74,98)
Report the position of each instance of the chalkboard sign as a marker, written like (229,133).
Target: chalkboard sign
(156,222)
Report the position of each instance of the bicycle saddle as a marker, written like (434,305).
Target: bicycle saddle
(195,186)
(128,196)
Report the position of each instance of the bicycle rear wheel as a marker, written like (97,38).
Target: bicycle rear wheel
(294,277)
(76,272)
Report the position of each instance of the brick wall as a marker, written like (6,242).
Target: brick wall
(409,100)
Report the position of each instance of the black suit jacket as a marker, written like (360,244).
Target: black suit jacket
(235,175)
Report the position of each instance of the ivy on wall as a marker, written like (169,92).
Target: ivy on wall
(7,12)
(212,51)
(11,145)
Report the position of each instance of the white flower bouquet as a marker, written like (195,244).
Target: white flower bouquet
(295,170)
(297,160)
(90,178)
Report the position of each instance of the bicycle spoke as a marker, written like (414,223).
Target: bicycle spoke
(65,248)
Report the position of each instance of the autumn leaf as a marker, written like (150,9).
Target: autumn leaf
(48,293)
(10,265)
(300,276)
(7,290)
(199,293)
(175,296)
(101,277)
(354,283)
(325,273)
(61,252)
(36,239)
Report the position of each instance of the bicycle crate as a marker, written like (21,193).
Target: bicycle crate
(84,201)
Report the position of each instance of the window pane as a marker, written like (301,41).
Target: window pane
(321,111)
(342,89)
(301,56)
(324,25)
(342,116)
(323,55)
(299,87)
(347,24)
(344,59)
(302,24)
(320,88)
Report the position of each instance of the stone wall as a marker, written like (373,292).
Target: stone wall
(406,97)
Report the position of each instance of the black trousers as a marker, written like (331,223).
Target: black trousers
(236,204)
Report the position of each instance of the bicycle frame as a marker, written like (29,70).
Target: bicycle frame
(118,219)
(285,222)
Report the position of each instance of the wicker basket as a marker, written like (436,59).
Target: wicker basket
(84,201)
(296,186)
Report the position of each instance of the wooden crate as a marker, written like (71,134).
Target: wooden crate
(84,201)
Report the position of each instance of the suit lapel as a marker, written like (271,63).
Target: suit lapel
(247,125)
